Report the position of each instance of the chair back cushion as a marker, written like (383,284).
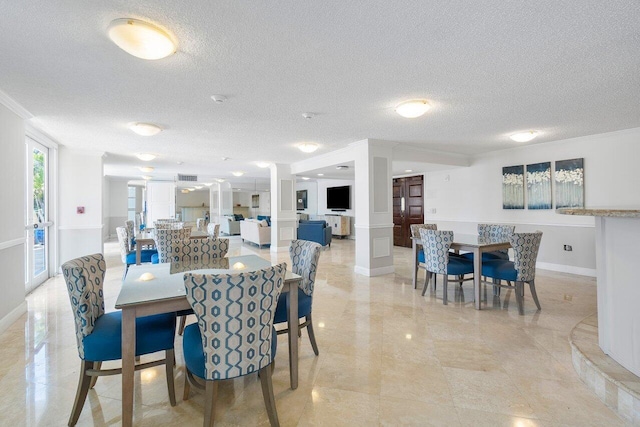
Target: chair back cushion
(123,243)
(197,252)
(213,229)
(235,315)
(130,233)
(84,277)
(164,238)
(525,250)
(496,233)
(415,228)
(436,245)
(304,262)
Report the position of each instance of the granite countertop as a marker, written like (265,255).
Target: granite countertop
(609,212)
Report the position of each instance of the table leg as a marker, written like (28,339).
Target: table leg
(293,334)
(477,275)
(138,253)
(414,248)
(128,364)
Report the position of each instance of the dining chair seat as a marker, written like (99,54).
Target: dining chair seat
(304,306)
(153,333)
(146,255)
(488,256)
(499,269)
(459,266)
(194,353)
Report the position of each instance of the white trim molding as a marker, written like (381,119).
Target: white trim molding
(590,272)
(373,226)
(14,106)
(81,227)
(370,272)
(11,243)
(12,316)
(39,136)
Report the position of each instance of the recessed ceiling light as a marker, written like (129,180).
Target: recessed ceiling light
(184,190)
(408,170)
(306,178)
(141,39)
(145,129)
(146,157)
(198,187)
(208,184)
(524,136)
(262,164)
(320,174)
(146,169)
(412,109)
(237,173)
(146,177)
(308,147)
(218,99)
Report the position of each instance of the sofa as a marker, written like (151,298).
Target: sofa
(255,231)
(230,226)
(315,231)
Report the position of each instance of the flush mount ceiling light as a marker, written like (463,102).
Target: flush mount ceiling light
(306,178)
(146,177)
(220,180)
(320,174)
(408,170)
(208,184)
(146,169)
(307,147)
(237,173)
(218,99)
(524,136)
(145,129)
(262,164)
(146,157)
(184,190)
(141,39)
(412,109)
(198,187)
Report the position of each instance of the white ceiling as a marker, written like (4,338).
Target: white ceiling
(489,68)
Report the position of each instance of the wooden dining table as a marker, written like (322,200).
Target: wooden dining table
(469,243)
(146,238)
(165,293)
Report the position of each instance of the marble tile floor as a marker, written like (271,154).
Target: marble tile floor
(388,357)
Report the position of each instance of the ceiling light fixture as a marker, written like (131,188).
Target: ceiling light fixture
(412,109)
(146,169)
(208,184)
(184,190)
(146,157)
(218,99)
(220,180)
(141,39)
(307,115)
(320,174)
(524,136)
(262,164)
(408,170)
(306,178)
(237,173)
(198,187)
(145,129)
(146,177)
(307,147)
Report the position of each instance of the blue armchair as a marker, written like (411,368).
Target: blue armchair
(315,231)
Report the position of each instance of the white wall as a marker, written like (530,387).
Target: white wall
(465,196)
(312,197)
(243,198)
(118,208)
(106,201)
(80,184)
(192,199)
(12,220)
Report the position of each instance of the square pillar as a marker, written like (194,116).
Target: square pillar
(283,207)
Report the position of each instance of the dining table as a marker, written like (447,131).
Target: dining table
(159,288)
(146,238)
(473,243)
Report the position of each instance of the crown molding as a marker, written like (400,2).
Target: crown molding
(13,105)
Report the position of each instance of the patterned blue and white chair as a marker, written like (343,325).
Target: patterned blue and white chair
(128,256)
(195,254)
(436,245)
(163,238)
(304,262)
(234,335)
(213,230)
(415,233)
(99,334)
(522,270)
(130,234)
(494,233)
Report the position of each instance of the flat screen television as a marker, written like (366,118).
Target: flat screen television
(339,198)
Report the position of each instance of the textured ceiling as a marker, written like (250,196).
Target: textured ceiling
(490,68)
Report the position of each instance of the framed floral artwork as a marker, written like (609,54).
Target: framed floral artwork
(539,186)
(513,187)
(569,183)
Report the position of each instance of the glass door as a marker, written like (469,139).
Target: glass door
(37,215)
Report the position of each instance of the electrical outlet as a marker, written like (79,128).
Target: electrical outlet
(568,248)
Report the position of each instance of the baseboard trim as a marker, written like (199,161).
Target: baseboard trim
(13,315)
(370,272)
(590,272)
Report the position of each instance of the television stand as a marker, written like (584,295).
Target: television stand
(340,225)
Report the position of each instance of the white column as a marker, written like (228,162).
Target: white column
(373,200)
(225,199)
(283,207)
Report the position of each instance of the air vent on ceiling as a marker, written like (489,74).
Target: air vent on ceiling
(189,178)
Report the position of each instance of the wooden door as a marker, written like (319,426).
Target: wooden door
(408,208)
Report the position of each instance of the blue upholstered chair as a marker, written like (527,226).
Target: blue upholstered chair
(99,334)
(130,234)
(234,335)
(194,254)
(522,270)
(436,245)
(315,231)
(128,256)
(493,233)
(304,262)
(266,218)
(163,238)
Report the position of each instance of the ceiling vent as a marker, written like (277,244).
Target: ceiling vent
(188,178)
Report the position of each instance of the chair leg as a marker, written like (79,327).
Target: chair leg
(267,393)
(94,379)
(532,286)
(312,336)
(183,322)
(210,402)
(168,364)
(520,297)
(124,275)
(81,394)
(445,282)
(427,279)
(187,386)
